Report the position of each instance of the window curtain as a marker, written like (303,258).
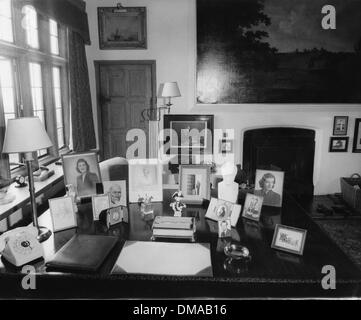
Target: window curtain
(4,160)
(70,13)
(83,133)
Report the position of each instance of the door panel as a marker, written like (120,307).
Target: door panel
(125,90)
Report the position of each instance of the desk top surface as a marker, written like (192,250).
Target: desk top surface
(267,265)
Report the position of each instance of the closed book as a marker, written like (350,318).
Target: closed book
(173,233)
(83,253)
(165,222)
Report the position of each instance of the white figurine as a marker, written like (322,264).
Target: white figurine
(228,189)
(177,205)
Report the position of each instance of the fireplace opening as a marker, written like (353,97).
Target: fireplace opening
(291,150)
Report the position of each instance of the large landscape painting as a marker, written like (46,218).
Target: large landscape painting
(278,51)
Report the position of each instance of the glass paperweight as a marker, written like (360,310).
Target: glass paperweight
(237,252)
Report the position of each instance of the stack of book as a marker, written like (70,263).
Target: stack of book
(174,227)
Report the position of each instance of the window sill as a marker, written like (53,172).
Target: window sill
(23,195)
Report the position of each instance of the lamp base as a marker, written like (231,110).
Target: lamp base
(43,234)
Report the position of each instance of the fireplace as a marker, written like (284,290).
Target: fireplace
(291,150)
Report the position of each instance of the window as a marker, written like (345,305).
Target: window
(6,27)
(8,94)
(37,91)
(37,95)
(34,82)
(54,37)
(58,107)
(31,27)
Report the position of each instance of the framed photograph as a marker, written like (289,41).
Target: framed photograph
(224,228)
(189,133)
(117,191)
(252,207)
(289,239)
(357,136)
(145,179)
(62,213)
(340,125)
(338,144)
(226,146)
(116,215)
(100,203)
(220,209)
(269,185)
(195,182)
(122,27)
(81,170)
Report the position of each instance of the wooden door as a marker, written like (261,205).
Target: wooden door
(124,89)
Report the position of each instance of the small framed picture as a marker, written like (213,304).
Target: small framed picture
(224,228)
(117,191)
(122,27)
(145,179)
(220,209)
(116,215)
(269,185)
(62,213)
(338,144)
(226,146)
(82,171)
(195,182)
(252,207)
(340,125)
(100,203)
(357,137)
(289,239)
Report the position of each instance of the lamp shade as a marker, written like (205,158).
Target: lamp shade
(25,135)
(169,90)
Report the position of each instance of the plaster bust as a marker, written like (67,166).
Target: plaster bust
(228,189)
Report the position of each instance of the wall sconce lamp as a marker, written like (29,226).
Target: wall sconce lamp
(167,91)
(27,135)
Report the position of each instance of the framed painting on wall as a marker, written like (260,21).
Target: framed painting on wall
(122,27)
(357,136)
(340,124)
(275,51)
(338,144)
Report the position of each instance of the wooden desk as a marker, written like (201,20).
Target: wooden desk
(271,273)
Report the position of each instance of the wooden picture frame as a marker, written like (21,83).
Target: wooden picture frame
(356,147)
(194,182)
(340,125)
(338,144)
(62,213)
(145,180)
(285,237)
(122,28)
(85,187)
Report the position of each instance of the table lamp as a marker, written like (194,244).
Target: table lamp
(27,135)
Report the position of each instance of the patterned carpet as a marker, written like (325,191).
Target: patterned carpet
(341,223)
(347,234)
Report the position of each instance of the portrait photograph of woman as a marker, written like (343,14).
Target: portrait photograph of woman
(82,171)
(269,185)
